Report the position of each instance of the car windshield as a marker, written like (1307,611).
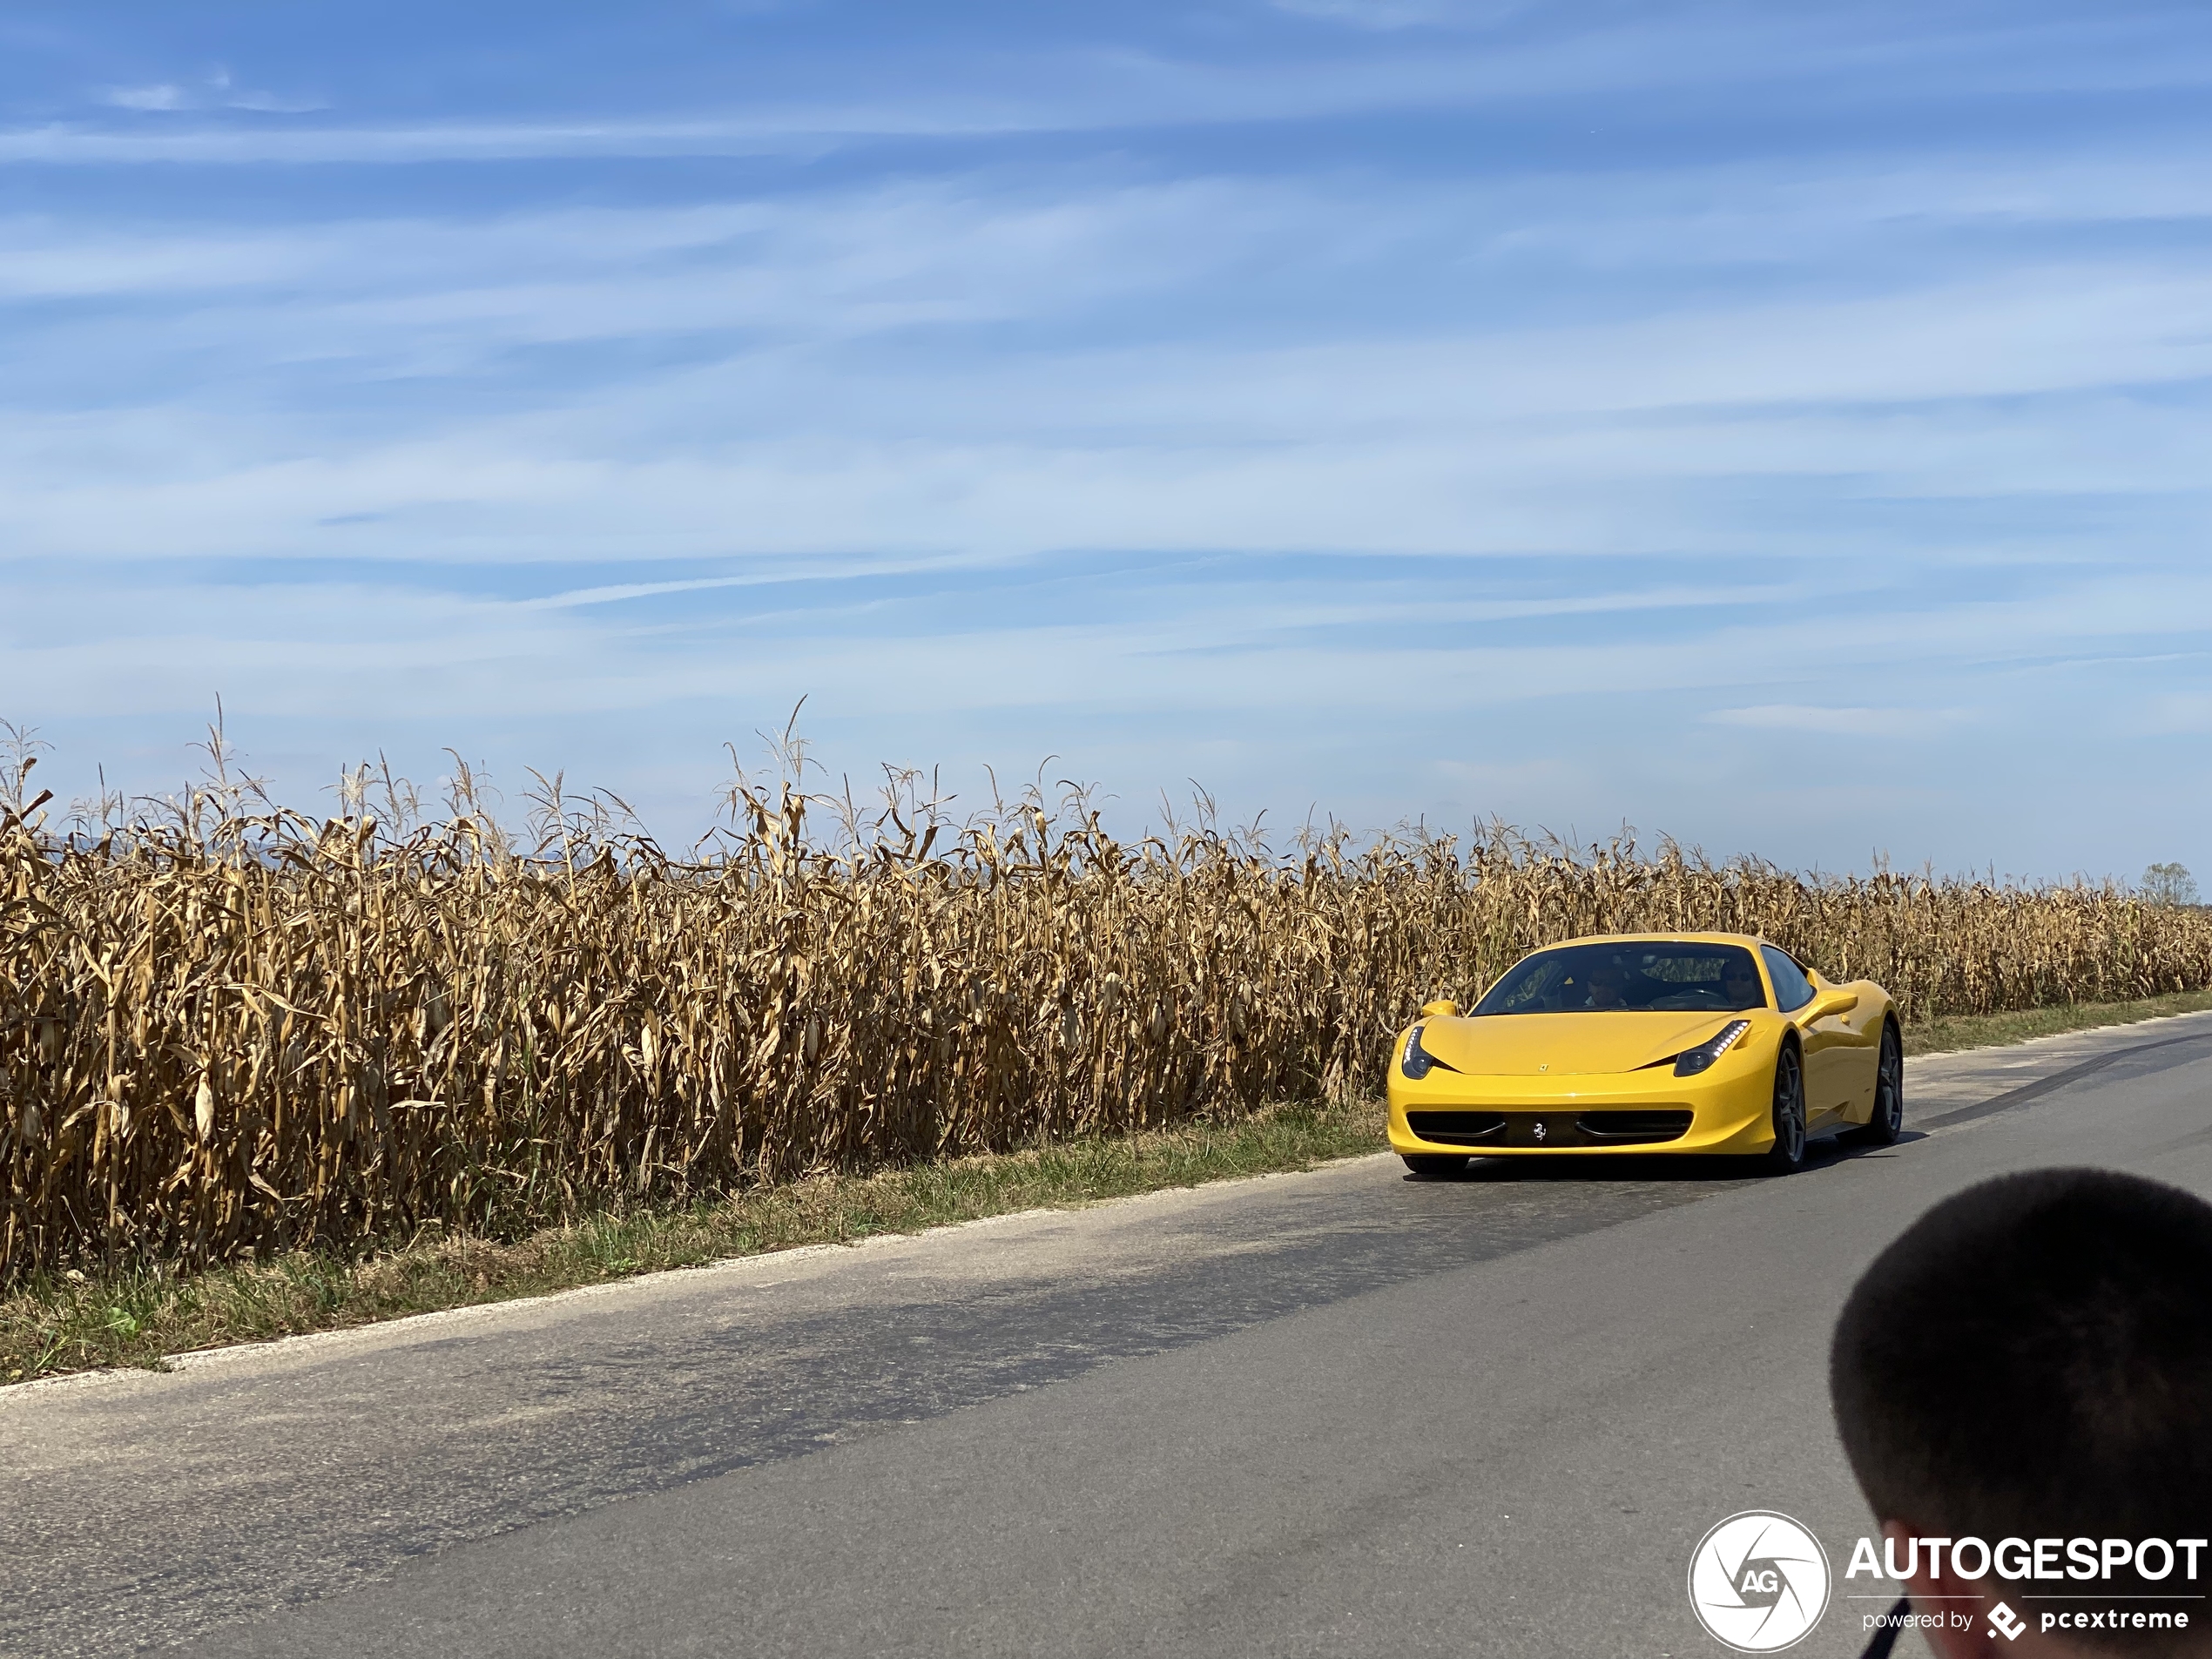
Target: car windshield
(1628,977)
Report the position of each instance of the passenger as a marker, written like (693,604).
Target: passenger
(2030,1362)
(1740,984)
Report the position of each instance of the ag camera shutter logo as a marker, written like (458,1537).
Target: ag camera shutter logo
(1759,1581)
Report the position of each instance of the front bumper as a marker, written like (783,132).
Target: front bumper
(1727,1109)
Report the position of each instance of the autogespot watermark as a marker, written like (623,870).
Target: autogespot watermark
(2171,1564)
(1759,1582)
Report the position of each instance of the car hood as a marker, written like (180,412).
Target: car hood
(1524,1045)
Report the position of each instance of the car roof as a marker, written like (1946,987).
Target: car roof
(1656,939)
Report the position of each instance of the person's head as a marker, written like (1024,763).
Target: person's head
(1740,982)
(2031,1360)
(1608,986)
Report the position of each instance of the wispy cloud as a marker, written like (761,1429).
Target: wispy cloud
(1043,89)
(214,91)
(162,97)
(84,145)
(1404,14)
(1874,725)
(1611,437)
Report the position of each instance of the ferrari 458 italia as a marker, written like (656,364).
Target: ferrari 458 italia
(1661,1043)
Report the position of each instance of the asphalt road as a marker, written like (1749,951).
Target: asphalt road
(1342,1413)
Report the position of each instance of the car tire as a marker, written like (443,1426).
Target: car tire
(1787,1154)
(1436,1166)
(1888,1122)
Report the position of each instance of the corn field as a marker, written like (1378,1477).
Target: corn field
(224,1030)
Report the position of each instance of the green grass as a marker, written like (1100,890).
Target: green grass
(1997,1030)
(68,1322)
(74,1321)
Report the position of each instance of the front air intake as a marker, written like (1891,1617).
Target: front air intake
(1645,1128)
(1456,1128)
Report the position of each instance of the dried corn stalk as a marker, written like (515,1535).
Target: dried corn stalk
(273,1030)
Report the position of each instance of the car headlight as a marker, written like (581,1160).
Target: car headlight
(1416,1060)
(1691,1062)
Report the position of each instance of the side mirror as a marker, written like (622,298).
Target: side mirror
(1444,1009)
(1829,1003)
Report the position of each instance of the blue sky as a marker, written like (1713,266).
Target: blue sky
(1784,427)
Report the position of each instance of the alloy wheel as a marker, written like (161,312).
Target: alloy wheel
(1889,1091)
(1789,1151)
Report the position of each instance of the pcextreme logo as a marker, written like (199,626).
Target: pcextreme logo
(1759,1581)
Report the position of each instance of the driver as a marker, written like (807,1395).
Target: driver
(1608,987)
(1740,984)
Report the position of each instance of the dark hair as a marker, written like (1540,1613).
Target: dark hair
(2033,1358)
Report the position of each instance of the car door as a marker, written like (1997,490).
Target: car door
(1830,1045)
(1857,1053)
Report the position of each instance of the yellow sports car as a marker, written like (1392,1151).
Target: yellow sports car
(1649,1043)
